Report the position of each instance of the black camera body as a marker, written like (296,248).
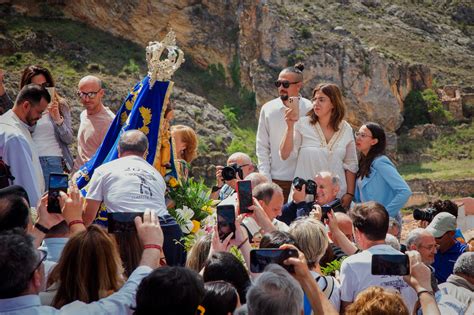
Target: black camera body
(424,214)
(230,172)
(298,183)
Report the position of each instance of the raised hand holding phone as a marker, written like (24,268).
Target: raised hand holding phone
(294,106)
(244,195)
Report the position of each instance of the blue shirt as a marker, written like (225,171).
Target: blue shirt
(384,185)
(444,262)
(117,303)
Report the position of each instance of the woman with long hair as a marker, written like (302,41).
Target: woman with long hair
(323,141)
(53,132)
(89,269)
(377,178)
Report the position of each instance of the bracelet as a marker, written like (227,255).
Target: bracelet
(75,222)
(41,228)
(423,291)
(242,244)
(155,246)
(348,193)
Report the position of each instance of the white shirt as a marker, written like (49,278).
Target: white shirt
(19,152)
(254,228)
(335,298)
(271,130)
(315,155)
(356,276)
(44,137)
(128,184)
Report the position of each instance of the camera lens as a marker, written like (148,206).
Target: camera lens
(424,215)
(298,183)
(310,187)
(228,173)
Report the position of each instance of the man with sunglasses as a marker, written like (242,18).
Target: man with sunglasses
(95,119)
(271,128)
(443,228)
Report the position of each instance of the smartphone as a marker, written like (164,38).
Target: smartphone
(51,90)
(334,205)
(260,258)
(244,194)
(391,265)
(294,105)
(57,182)
(119,222)
(225,220)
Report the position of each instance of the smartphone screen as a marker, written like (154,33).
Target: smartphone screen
(225,220)
(244,193)
(392,265)
(51,92)
(118,222)
(260,258)
(57,182)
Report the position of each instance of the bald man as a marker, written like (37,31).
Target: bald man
(95,119)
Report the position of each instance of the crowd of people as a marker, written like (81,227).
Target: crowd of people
(327,197)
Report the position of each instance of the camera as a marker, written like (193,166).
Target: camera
(230,172)
(424,214)
(334,205)
(310,185)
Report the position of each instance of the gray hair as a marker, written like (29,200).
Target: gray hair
(311,237)
(414,236)
(392,241)
(257,178)
(266,191)
(133,141)
(465,264)
(393,222)
(275,292)
(335,180)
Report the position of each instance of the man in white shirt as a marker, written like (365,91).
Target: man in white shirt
(17,148)
(127,184)
(263,220)
(370,228)
(271,128)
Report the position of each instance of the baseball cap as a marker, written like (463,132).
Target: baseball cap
(442,223)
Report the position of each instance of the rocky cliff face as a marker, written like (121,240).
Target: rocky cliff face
(377,51)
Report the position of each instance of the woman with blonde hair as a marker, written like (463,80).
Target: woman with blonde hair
(376,300)
(312,239)
(323,141)
(185,144)
(89,269)
(199,253)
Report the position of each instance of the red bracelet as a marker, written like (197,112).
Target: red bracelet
(155,246)
(75,222)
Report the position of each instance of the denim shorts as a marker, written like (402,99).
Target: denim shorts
(50,164)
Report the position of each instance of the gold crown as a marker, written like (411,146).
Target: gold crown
(162,70)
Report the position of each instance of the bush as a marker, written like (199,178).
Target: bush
(438,115)
(415,111)
(243,141)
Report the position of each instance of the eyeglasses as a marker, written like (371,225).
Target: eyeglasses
(45,84)
(87,94)
(43,254)
(286,84)
(244,165)
(362,135)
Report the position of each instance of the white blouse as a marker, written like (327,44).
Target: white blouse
(316,155)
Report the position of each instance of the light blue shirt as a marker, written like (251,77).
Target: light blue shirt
(384,185)
(54,246)
(118,303)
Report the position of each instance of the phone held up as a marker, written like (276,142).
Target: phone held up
(294,105)
(390,265)
(57,182)
(244,194)
(120,222)
(260,258)
(225,220)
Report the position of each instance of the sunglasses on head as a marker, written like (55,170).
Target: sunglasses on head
(286,84)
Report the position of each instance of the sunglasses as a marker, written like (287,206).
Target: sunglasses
(42,254)
(87,94)
(286,84)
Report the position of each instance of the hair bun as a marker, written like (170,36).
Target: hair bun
(299,66)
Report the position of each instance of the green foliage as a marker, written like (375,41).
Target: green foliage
(332,267)
(305,32)
(243,141)
(406,145)
(131,68)
(436,111)
(294,58)
(415,111)
(234,68)
(203,147)
(230,115)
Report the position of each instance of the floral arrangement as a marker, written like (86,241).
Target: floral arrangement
(193,209)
